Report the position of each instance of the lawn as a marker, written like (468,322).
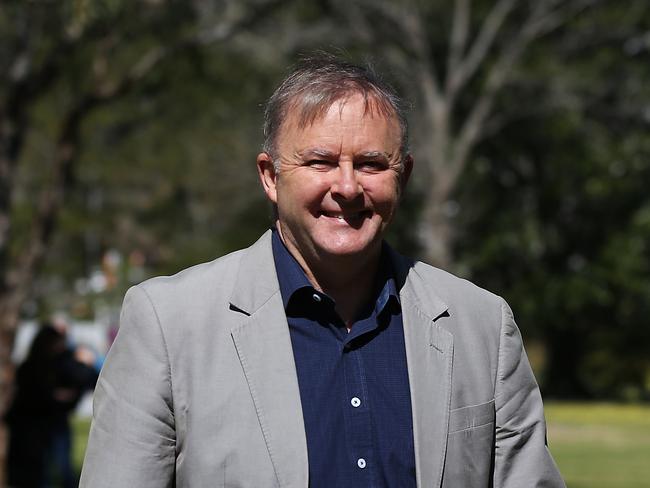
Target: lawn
(600,445)
(596,445)
(80,429)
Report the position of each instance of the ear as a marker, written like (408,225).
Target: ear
(268,176)
(407,168)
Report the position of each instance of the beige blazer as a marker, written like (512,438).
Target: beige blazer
(200,388)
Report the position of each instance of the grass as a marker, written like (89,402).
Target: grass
(80,429)
(600,445)
(595,445)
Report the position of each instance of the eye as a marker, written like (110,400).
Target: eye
(371,165)
(321,164)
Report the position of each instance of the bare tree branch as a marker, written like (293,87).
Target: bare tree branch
(480,48)
(219,32)
(230,25)
(459,34)
(409,22)
(539,22)
(472,127)
(552,19)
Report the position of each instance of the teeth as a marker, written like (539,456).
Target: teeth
(343,216)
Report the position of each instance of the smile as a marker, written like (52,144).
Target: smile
(348,216)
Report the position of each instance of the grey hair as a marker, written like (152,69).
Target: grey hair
(319,81)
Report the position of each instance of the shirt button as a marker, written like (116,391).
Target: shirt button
(316,297)
(361,463)
(355,402)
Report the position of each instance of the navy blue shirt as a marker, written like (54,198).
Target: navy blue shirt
(354,386)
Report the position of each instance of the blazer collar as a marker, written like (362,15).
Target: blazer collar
(257,280)
(412,284)
(429,355)
(261,338)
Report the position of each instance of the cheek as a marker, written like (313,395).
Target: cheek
(308,189)
(383,196)
(299,193)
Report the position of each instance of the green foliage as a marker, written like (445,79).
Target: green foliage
(563,235)
(555,208)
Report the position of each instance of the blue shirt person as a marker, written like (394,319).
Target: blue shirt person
(318,356)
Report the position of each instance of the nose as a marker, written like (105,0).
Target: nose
(346,185)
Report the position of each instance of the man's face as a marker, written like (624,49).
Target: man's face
(338,183)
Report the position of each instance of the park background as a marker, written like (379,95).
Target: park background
(129,130)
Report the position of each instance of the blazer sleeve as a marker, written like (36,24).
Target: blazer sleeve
(132,437)
(522,457)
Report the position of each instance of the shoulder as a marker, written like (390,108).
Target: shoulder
(427,282)
(473,315)
(210,278)
(203,294)
(190,297)
(170,315)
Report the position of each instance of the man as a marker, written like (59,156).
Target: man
(318,356)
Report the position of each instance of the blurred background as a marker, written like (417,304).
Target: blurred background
(128,136)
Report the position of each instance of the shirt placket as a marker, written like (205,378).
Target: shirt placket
(357,413)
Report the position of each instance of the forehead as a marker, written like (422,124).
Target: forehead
(363,111)
(308,106)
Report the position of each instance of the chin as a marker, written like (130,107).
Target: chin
(351,248)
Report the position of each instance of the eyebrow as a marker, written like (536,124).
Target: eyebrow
(375,154)
(318,152)
(326,154)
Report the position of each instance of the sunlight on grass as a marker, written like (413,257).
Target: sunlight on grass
(600,445)
(80,430)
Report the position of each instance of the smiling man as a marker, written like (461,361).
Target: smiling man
(336,182)
(319,356)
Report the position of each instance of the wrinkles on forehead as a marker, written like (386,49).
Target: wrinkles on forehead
(324,153)
(309,106)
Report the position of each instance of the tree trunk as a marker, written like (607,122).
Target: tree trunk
(435,229)
(436,233)
(8,323)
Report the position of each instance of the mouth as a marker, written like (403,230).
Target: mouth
(349,217)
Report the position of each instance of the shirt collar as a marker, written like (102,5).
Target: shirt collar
(290,275)
(292,278)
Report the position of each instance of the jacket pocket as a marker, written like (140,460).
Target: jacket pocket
(470,417)
(470,446)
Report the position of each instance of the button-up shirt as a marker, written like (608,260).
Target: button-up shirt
(354,385)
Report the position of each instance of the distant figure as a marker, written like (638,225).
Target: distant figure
(49,385)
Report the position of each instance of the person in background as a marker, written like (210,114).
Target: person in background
(49,384)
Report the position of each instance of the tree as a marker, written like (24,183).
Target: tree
(456,80)
(561,226)
(61,63)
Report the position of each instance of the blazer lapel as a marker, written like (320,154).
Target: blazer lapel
(264,348)
(429,353)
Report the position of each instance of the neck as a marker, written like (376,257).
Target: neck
(350,285)
(348,280)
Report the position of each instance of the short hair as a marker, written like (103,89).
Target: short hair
(320,80)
